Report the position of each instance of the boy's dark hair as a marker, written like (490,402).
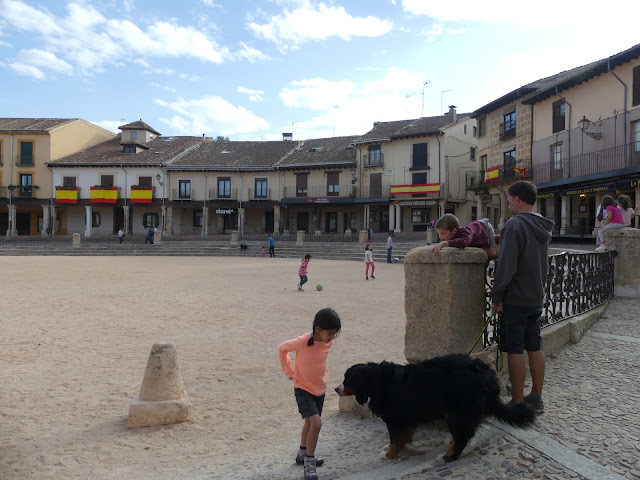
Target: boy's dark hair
(307,256)
(608,201)
(624,201)
(326,319)
(447,221)
(525,191)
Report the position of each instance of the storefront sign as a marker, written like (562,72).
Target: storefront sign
(318,200)
(223,211)
(547,195)
(580,191)
(634,183)
(415,203)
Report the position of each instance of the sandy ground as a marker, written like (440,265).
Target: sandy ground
(76,336)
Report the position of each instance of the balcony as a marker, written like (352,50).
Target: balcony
(508,172)
(432,190)
(507,130)
(620,158)
(375,160)
(67,195)
(348,191)
(223,194)
(183,195)
(24,160)
(259,194)
(142,194)
(379,191)
(104,194)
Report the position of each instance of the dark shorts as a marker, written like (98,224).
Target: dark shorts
(520,329)
(308,405)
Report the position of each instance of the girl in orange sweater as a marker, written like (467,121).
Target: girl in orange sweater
(310,377)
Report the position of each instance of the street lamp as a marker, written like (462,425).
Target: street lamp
(584,124)
(424,84)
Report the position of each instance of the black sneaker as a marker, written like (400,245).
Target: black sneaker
(373,277)
(536,402)
(302,455)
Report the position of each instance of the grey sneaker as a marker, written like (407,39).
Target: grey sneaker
(302,454)
(536,402)
(310,469)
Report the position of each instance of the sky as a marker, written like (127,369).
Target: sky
(253,69)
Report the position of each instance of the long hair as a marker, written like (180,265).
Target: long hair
(624,201)
(608,201)
(326,319)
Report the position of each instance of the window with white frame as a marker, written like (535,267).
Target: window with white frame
(556,155)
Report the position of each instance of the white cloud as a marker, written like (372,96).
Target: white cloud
(111,125)
(28,70)
(44,60)
(250,54)
(211,115)
(254,95)
(163,87)
(317,22)
(5,44)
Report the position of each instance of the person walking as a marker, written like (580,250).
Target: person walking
(121,235)
(272,246)
(302,271)
(518,291)
(149,237)
(389,246)
(368,260)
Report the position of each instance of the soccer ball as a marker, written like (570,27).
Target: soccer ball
(318,287)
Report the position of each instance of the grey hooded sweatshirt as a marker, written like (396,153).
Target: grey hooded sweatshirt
(521,273)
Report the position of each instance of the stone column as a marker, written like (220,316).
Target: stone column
(398,218)
(11,231)
(163,222)
(442,204)
(241,220)
(504,206)
(168,227)
(46,220)
(479,207)
(565,220)
(87,230)
(637,203)
(444,301)
(235,237)
(126,219)
(626,270)
(54,220)
(276,219)
(366,217)
(205,221)
(392,217)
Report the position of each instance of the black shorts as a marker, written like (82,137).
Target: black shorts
(520,329)
(308,405)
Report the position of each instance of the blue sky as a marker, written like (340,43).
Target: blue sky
(249,69)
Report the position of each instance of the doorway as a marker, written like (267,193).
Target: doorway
(303,221)
(384,220)
(331,222)
(268,221)
(23,223)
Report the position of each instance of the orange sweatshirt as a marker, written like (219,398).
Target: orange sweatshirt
(310,371)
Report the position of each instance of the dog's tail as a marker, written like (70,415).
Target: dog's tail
(518,415)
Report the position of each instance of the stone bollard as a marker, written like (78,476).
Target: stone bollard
(432,236)
(626,271)
(363,237)
(300,237)
(76,240)
(162,399)
(444,301)
(235,237)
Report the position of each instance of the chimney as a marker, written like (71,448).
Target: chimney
(452,114)
(375,124)
(287,136)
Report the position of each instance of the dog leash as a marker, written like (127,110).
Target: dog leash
(499,360)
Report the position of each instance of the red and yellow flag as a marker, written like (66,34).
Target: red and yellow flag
(142,195)
(491,174)
(67,195)
(409,189)
(104,195)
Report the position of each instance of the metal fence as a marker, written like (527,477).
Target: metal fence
(576,283)
(309,237)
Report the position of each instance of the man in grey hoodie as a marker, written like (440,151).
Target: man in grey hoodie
(518,290)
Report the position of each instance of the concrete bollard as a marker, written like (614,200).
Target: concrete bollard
(363,237)
(235,237)
(300,237)
(76,240)
(626,271)
(444,301)
(162,399)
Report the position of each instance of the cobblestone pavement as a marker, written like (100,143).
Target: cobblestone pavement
(590,428)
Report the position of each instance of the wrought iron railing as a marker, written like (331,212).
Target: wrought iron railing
(348,190)
(375,160)
(223,194)
(309,237)
(576,283)
(373,191)
(260,194)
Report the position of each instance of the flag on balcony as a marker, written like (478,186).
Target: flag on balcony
(522,170)
(409,189)
(141,194)
(67,195)
(104,195)
(491,174)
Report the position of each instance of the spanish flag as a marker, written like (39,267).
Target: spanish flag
(104,195)
(520,169)
(141,195)
(67,195)
(491,174)
(409,189)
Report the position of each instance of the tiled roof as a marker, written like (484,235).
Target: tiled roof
(160,150)
(382,131)
(137,143)
(231,155)
(321,152)
(138,125)
(32,124)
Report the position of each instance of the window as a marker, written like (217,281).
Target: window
(333,187)
(465,129)
(375,185)
(134,135)
(106,181)
(508,126)
(26,153)
(184,189)
(261,188)
(558,116)
(556,155)
(145,181)
(197,218)
(129,149)
(472,153)
(69,182)
(375,155)
(482,125)
(419,178)
(636,86)
(420,215)
(483,166)
(96,219)
(420,155)
(150,220)
(26,179)
(475,131)
(301,184)
(509,157)
(224,187)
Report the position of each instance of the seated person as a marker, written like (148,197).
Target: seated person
(244,245)
(478,233)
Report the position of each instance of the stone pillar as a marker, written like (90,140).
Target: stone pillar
(479,208)
(363,237)
(442,204)
(162,399)
(300,237)
(11,231)
(241,220)
(205,221)
(87,229)
(392,217)
(565,217)
(366,217)
(276,219)
(76,240)
(46,220)
(54,220)
(626,242)
(126,219)
(168,226)
(398,228)
(444,301)
(163,222)
(235,237)
(504,206)
(637,203)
